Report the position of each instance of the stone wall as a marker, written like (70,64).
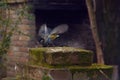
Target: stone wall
(22,41)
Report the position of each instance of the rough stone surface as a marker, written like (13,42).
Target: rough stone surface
(61,75)
(61,56)
(102,72)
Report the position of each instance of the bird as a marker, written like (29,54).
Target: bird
(48,35)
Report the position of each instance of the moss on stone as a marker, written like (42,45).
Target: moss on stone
(75,67)
(87,68)
(36,56)
(98,69)
(61,56)
(60,49)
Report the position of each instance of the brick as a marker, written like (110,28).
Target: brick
(20,43)
(9,53)
(14,48)
(27,32)
(24,27)
(20,54)
(23,49)
(27,22)
(24,38)
(15,59)
(11,12)
(15,38)
(22,60)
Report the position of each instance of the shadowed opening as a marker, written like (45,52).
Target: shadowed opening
(74,15)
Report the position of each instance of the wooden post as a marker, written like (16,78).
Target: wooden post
(93,26)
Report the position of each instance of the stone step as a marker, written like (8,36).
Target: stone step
(63,56)
(93,72)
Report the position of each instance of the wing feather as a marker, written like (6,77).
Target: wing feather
(60,29)
(43,32)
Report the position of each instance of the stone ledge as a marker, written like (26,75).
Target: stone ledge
(61,56)
(73,67)
(93,72)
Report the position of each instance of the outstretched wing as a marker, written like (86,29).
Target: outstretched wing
(44,31)
(59,29)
